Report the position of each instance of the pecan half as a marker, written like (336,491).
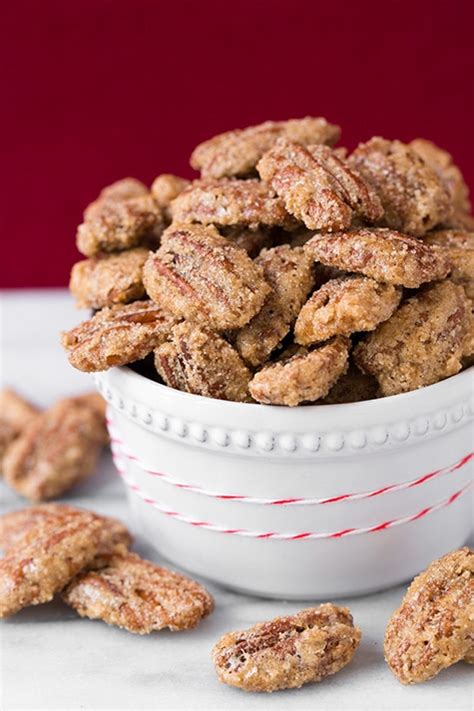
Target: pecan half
(198,274)
(434,626)
(117,335)
(199,361)
(288,652)
(236,153)
(385,255)
(458,246)
(138,596)
(15,414)
(164,189)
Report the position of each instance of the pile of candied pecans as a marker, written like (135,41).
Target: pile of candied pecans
(83,556)
(290,272)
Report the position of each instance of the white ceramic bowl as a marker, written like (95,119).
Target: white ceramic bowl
(209,483)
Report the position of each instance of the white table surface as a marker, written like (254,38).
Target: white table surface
(52,659)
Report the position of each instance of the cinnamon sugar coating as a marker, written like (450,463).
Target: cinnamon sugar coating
(385,255)
(230,202)
(117,335)
(434,626)
(108,279)
(45,562)
(199,361)
(413,196)
(138,596)
(423,342)
(120,191)
(458,246)
(353,386)
(200,275)
(15,414)
(164,189)
(289,272)
(59,448)
(317,186)
(236,153)
(301,375)
(287,652)
(442,163)
(344,306)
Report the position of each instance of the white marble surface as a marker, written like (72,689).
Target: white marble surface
(52,659)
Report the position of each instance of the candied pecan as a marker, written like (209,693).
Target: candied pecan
(434,626)
(385,255)
(317,186)
(118,225)
(442,163)
(19,527)
(287,652)
(353,386)
(301,375)
(199,361)
(236,153)
(45,562)
(120,191)
(344,306)
(289,272)
(15,414)
(108,279)
(252,240)
(117,335)
(422,343)
(413,196)
(138,596)
(458,246)
(198,274)
(165,188)
(230,203)
(59,448)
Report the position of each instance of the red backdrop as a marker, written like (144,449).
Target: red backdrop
(95,90)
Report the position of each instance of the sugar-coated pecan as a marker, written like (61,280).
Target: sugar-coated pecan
(287,652)
(434,626)
(442,163)
(385,255)
(117,335)
(317,186)
(15,414)
(59,448)
(198,274)
(108,279)
(344,306)
(236,153)
(164,189)
(458,246)
(138,596)
(353,386)
(413,196)
(230,203)
(290,274)
(120,191)
(423,342)
(199,361)
(43,563)
(301,375)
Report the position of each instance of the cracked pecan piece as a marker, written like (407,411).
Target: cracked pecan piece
(198,274)
(236,153)
(15,414)
(59,448)
(434,626)
(108,279)
(117,335)
(19,527)
(353,386)
(43,563)
(345,306)
(287,652)
(301,375)
(458,246)
(385,255)
(317,186)
(423,342)
(164,189)
(442,163)
(289,272)
(413,195)
(199,361)
(138,596)
(230,203)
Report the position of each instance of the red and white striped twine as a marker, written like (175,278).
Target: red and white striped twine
(120,450)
